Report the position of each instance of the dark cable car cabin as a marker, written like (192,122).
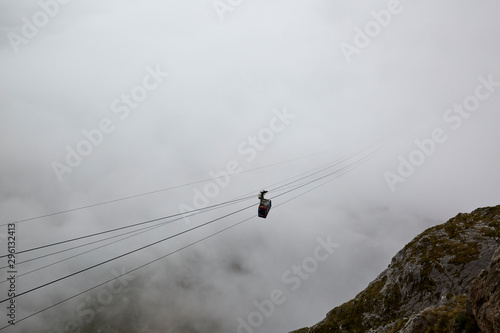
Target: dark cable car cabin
(264,206)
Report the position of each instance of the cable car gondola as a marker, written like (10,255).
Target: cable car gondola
(264,206)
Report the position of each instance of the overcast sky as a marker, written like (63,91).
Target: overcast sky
(102,100)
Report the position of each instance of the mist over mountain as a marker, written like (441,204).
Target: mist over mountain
(444,280)
(114,113)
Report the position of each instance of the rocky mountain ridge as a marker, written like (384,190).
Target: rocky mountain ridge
(444,280)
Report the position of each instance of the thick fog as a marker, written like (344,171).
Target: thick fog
(182,105)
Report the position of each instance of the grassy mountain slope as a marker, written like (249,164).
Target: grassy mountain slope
(425,288)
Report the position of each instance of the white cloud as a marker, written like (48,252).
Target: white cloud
(226,77)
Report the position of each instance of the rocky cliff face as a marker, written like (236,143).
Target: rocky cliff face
(425,288)
(485,296)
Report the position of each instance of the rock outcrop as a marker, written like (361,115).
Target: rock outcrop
(425,288)
(485,296)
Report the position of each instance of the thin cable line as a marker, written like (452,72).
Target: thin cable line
(121,228)
(364,160)
(121,255)
(165,189)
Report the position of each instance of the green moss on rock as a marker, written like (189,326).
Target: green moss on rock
(425,274)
